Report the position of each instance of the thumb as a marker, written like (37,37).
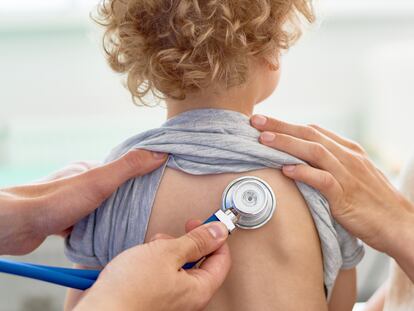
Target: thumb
(319,179)
(200,242)
(79,195)
(132,164)
(104,180)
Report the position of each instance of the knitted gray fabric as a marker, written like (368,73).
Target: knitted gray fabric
(205,141)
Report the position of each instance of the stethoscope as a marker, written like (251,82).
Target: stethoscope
(247,203)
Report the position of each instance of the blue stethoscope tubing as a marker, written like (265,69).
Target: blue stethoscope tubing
(84,279)
(68,277)
(73,278)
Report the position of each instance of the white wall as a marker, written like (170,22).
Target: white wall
(346,74)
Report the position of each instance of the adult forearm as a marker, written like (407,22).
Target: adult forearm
(28,214)
(401,241)
(16,225)
(101,299)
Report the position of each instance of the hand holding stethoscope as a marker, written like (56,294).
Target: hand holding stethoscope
(148,276)
(247,203)
(361,198)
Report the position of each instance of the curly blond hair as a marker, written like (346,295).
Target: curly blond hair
(175,47)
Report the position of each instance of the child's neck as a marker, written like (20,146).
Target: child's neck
(240,99)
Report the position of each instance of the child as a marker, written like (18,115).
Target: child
(213,61)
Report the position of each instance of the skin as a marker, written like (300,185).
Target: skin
(279,262)
(361,198)
(30,213)
(377,301)
(345,291)
(400,293)
(242,98)
(149,276)
(270,263)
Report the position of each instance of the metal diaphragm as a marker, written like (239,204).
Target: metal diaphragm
(251,199)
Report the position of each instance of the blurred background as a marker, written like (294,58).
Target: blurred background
(59,101)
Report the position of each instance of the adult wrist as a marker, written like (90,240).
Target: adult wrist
(17,231)
(401,238)
(34,216)
(100,298)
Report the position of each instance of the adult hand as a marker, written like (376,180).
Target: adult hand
(149,276)
(360,196)
(30,213)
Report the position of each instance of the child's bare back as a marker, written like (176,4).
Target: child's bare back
(269,271)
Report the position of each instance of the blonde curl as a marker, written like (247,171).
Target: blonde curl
(171,48)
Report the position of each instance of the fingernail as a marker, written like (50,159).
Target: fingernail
(158,155)
(217,230)
(289,168)
(267,137)
(259,120)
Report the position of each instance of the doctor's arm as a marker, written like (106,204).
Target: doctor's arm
(361,198)
(30,213)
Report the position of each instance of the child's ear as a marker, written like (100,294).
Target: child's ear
(272,63)
(273,67)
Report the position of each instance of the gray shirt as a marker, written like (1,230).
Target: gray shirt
(204,141)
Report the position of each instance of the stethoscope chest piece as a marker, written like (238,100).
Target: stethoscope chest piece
(248,203)
(251,200)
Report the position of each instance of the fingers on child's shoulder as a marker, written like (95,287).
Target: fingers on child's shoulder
(133,163)
(142,161)
(264,123)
